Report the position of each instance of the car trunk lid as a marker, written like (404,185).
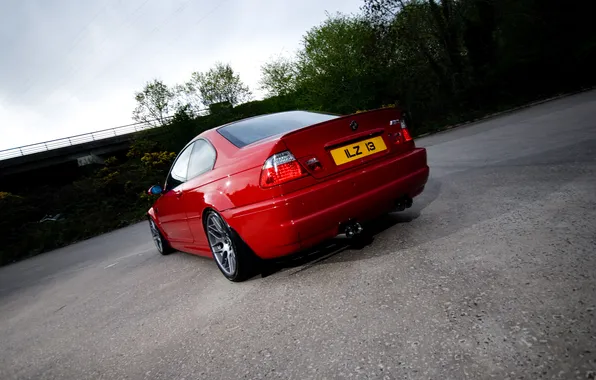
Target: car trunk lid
(347,142)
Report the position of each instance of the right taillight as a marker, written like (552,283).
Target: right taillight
(279,168)
(402,135)
(404,131)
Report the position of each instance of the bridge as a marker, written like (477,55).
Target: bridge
(83,149)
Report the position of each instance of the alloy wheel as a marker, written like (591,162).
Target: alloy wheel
(221,244)
(156,236)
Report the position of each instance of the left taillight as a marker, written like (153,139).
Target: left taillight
(280,168)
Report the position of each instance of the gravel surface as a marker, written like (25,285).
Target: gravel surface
(491,274)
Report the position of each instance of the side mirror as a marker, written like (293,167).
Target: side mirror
(155,190)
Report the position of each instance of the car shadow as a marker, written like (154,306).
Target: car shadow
(308,258)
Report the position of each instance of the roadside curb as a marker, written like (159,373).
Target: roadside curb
(511,110)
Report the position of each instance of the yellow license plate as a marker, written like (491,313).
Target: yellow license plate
(358,150)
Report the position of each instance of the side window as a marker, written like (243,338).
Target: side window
(201,159)
(178,174)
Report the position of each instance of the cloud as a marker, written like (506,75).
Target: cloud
(71,67)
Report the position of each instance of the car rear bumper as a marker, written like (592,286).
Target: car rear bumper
(304,218)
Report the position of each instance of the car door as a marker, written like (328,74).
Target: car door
(202,160)
(170,206)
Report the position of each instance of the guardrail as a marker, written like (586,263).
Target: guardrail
(73,140)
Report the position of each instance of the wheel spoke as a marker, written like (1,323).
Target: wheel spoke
(214,229)
(218,255)
(218,224)
(217,238)
(156,236)
(231,261)
(225,261)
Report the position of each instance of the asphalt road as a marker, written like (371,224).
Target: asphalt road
(492,274)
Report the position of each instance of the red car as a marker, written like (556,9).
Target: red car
(268,186)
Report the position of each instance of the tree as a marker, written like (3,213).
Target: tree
(339,67)
(278,77)
(429,28)
(188,99)
(155,103)
(219,84)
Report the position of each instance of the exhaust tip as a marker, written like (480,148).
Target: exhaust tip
(400,205)
(352,229)
(403,203)
(409,202)
(350,232)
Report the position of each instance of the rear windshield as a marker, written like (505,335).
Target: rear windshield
(248,131)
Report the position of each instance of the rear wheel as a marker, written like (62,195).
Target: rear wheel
(160,241)
(233,258)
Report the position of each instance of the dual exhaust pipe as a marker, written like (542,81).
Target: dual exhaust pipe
(403,203)
(352,228)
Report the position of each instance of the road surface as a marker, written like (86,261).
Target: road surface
(492,274)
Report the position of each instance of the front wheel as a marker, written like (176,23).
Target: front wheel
(233,258)
(160,241)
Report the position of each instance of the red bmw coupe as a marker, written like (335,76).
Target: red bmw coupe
(268,186)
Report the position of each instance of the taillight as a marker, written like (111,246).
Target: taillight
(279,168)
(404,131)
(403,135)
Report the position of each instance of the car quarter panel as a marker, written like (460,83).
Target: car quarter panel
(232,184)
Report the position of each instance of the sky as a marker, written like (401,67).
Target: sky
(69,67)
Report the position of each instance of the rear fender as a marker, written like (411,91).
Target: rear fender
(218,201)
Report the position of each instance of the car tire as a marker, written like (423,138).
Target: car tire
(232,256)
(161,243)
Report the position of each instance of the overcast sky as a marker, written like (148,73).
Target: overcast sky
(72,66)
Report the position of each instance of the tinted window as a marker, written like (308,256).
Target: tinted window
(179,170)
(202,159)
(258,128)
